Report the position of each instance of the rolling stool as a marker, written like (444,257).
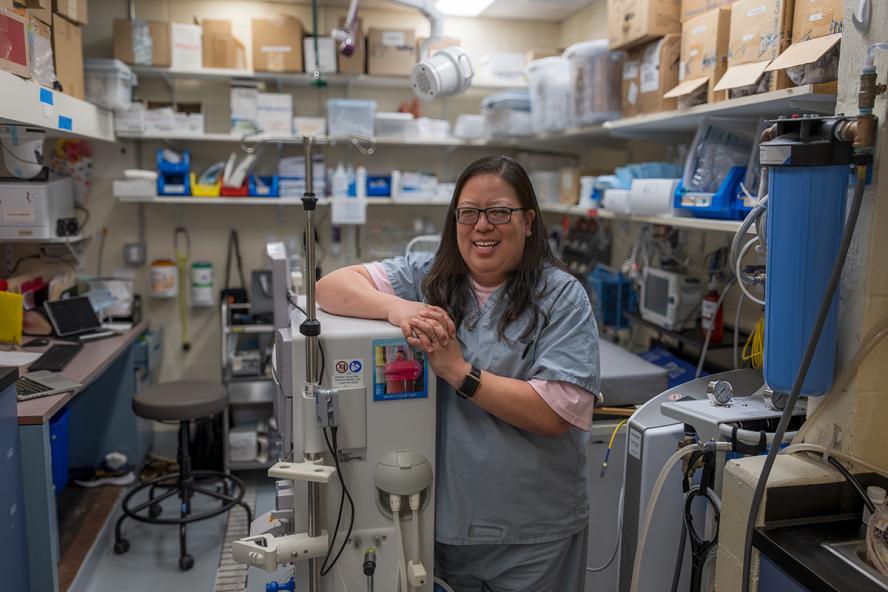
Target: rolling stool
(181,401)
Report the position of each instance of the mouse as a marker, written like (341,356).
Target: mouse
(36,343)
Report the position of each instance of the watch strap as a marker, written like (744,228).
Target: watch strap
(470,383)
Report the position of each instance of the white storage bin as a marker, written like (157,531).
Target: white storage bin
(507,114)
(109,83)
(131,119)
(549,82)
(243,444)
(350,116)
(596,77)
(469,127)
(394,125)
(432,129)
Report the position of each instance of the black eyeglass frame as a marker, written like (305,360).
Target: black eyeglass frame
(479,211)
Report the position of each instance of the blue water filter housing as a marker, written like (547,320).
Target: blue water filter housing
(806,212)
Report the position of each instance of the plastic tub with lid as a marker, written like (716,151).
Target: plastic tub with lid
(394,125)
(109,83)
(595,82)
(507,113)
(549,82)
(350,116)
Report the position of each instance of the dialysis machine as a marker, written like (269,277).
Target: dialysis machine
(355,406)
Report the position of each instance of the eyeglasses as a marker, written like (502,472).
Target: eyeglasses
(495,215)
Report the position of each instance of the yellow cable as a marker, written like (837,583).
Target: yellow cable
(754,349)
(614,433)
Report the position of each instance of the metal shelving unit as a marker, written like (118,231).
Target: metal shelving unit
(27,103)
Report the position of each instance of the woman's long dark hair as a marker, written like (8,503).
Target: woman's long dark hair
(447,283)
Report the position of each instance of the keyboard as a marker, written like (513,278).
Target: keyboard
(56,357)
(25,389)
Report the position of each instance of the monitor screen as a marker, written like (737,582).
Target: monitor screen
(72,316)
(656,294)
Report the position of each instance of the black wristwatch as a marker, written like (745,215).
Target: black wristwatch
(470,383)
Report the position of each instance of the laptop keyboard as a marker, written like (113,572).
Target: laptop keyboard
(56,357)
(25,389)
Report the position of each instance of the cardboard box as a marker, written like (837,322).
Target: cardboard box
(633,22)
(760,31)
(704,54)
(152,47)
(42,66)
(41,9)
(816,18)
(356,63)
(326,62)
(807,52)
(220,48)
(435,45)
(73,10)
(14,55)
(67,47)
(569,192)
(244,101)
(186,47)
(694,8)
(274,113)
(277,45)
(648,72)
(391,52)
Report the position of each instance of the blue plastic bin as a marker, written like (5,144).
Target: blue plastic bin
(725,204)
(58,446)
(265,186)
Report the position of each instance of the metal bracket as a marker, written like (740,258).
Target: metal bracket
(865,10)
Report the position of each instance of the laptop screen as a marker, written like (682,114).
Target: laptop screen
(72,316)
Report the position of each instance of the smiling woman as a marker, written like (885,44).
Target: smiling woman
(512,340)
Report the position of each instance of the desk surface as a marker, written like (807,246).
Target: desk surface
(90,362)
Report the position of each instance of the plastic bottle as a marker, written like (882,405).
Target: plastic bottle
(295,264)
(712,312)
(396,184)
(877,495)
(361,183)
(340,182)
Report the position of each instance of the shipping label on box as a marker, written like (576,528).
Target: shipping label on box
(277,45)
(187,48)
(816,18)
(633,22)
(14,51)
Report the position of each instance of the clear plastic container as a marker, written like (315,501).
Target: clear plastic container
(432,129)
(346,117)
(469,127)
(507,114)
(549,82)
(109,83)
(596,79)
(394,125)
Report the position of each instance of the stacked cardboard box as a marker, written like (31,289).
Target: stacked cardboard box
(633,22)
(14,41)
(391,52)
(67,47)
(694,8)
(813,56)
(146,43)
(760,31)
(277,45)
(220,49)
(704,57)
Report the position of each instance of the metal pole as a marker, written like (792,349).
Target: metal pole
(311,329)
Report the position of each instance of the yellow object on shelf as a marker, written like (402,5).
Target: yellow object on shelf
(198,190)
(11,318)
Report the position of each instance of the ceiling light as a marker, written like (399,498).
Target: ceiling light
(462,7)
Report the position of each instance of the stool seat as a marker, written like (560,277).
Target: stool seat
(180,400)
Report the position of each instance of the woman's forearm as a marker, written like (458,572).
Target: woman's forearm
(515,402)
(350,291)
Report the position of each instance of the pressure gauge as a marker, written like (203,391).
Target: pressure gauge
(720,392)
(775,400)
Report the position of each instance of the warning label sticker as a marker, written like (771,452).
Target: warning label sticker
(348,373)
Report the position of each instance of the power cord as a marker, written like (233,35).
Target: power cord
(82,225)
(334,450)
(854,483)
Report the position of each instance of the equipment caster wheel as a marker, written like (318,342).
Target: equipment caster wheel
(186,562)
(121,546)
(154,510)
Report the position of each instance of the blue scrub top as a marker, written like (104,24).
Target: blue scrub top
(496,483)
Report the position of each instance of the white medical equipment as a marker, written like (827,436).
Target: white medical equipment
(689,418)
(356,387)
(446,72)
(37,210)
(669,299)
(22,148)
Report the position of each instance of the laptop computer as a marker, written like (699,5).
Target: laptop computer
(42,384)
(75,317)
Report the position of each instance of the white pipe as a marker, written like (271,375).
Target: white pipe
(415,546)
(749,436)
(399,541)
(655,494)
(871,53)
(796,448)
